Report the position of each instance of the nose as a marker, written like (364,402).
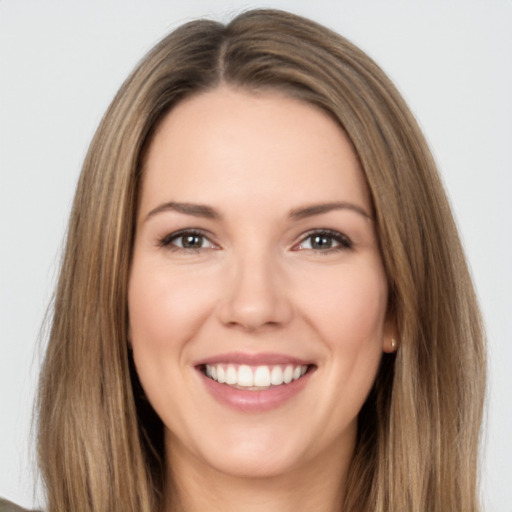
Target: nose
(256,294)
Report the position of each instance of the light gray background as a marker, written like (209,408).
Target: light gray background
(62,61)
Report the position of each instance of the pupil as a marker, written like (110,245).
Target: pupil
(192,241)
(321,242)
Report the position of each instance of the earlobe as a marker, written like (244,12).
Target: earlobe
(390,344)
(391,340)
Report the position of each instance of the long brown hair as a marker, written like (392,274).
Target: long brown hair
(100,443)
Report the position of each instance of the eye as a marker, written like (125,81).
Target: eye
(324,240)
(188,240)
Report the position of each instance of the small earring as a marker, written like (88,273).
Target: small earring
(393,343)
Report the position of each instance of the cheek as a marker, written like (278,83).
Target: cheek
(164,307)
(350,320)
(166,311)
(349,308)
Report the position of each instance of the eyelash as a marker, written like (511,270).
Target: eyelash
(342,240)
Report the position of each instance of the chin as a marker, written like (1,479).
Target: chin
(257,464)
(254,451)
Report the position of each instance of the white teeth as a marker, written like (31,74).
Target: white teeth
(262,376)
(288,374)
(255,377)
(276,376)
(231,375)
(245,377)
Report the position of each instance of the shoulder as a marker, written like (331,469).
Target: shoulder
(9,506)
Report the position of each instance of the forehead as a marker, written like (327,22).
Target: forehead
(229,144)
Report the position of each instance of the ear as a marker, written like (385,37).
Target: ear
(390,341)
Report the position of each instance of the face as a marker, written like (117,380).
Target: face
(257,295)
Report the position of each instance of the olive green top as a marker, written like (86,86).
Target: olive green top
(9,506)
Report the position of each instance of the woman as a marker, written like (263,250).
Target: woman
(350,273)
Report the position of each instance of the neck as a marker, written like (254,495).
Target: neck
(318,486)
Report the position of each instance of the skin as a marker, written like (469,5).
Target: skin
(256,283)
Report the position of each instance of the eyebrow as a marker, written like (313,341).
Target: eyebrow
(202,210)
(196,210)
(318,209)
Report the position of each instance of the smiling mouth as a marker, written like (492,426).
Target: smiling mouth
(255,378)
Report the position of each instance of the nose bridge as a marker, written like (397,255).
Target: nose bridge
(255,294)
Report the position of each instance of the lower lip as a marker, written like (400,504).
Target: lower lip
(254,401)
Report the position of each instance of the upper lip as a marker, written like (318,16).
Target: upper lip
(263,358)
